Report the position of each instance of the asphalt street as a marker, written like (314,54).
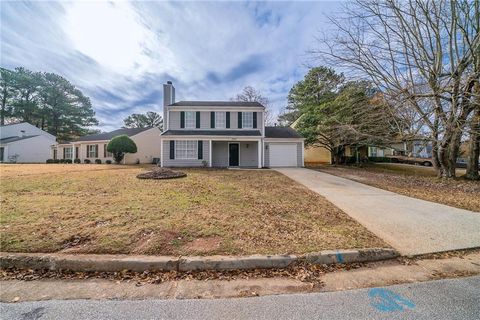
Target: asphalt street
(441,299)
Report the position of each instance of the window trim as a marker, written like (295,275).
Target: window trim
(65,152)
(194,151)
(219,125)
(94,146)
(193,120)
(244,114)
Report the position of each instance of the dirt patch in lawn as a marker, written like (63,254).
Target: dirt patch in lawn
(204,244)
(414,181)
(208,212)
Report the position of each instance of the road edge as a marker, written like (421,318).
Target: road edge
(140,263)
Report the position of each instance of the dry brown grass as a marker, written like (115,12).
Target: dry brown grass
(414,181)
(106,209)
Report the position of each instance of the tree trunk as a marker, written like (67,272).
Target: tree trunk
(474,149)
(337,153)
(435,160)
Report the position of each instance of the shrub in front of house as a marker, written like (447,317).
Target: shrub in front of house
(50,161)
(56,160)
(77,160)
(68,160)
(98,161)
(86,161)
(108,161)
(120,145)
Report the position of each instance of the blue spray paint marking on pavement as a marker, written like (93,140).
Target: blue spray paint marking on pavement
(339,257)
(388,301)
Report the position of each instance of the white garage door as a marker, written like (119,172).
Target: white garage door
(283,155)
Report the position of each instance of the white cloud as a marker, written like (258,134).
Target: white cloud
(106,32)
(120,53)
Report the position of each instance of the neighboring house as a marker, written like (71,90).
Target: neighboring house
(24,143)
(94,146)
(315,155)
(224,134)
(421,148)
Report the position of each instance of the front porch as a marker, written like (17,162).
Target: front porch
(236,154)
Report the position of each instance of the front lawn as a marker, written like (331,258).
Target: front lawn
(414,181)
(106,209)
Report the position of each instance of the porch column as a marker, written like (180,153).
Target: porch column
(73,153)
(161,153)
(259,143)
(210,151)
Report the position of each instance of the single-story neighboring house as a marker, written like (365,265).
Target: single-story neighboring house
(24,143)
(94,146)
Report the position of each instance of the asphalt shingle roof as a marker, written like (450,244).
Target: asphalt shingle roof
(216,104)
(109,135)
(13,139)
(243,133)
(281,132)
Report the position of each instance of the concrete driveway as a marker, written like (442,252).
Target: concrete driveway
(412,226)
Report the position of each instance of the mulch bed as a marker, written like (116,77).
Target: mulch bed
(161,173)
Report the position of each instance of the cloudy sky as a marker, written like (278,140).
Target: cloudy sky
(120,53)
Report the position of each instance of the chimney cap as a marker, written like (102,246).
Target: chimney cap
(169,82)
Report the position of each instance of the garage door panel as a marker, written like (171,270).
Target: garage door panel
(283,154)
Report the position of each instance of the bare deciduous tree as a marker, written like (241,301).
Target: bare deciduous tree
(250,94)
(424,55)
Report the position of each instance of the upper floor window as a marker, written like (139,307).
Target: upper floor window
(92,151)
(220,120)
(190,119)
(247,119)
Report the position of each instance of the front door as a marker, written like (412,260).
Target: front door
(233,154)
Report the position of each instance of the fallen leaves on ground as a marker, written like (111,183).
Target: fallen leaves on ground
(414,181)
(301,271)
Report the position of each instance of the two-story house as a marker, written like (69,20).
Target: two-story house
(224,134)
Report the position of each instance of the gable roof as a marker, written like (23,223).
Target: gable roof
(13,139)
(217,104)
(281,132)
(109,135)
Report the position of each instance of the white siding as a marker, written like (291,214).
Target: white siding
(167,162)
(31,150)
